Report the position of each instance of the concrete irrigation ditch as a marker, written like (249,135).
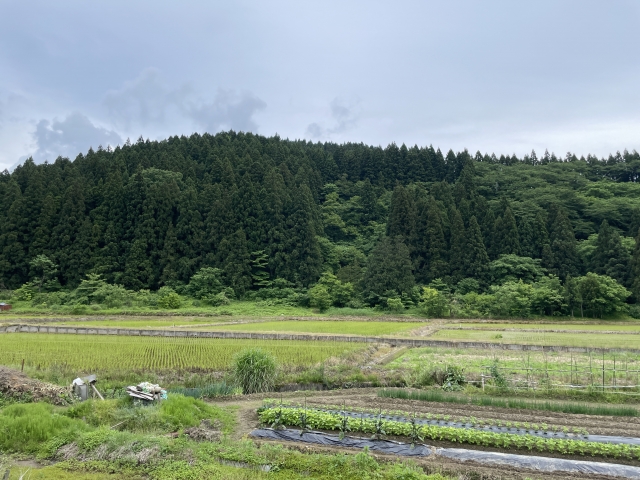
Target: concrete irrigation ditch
(403,341)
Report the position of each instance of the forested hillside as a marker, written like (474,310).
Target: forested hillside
(272,214)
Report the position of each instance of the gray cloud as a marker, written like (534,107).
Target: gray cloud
(514,76)
(344,114)
(229,110)
(70,136)
(144,101)
(148,101)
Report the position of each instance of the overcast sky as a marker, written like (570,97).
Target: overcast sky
(495,76)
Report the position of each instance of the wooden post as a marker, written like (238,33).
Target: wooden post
(22,368)
(96,390)
(602,372)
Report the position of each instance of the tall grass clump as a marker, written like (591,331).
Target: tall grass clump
(25,427)
(437,396)
(180,412)
(255,370)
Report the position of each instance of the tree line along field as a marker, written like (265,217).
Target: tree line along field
(202,221)
(98,353)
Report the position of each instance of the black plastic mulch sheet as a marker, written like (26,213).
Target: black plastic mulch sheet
(544,464)
(383,446)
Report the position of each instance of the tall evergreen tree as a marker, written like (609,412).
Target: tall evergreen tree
(540,234)
(634,223)
(528,247)
(610,257)
(507,237)
(431,244)
(457,246)
(402,215)
(304,256)
(564,247)
(476,258)
(389,270)
(236,262)
(634,270)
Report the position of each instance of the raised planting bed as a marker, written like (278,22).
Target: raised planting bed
(496,425)
(376,425)
(530,462)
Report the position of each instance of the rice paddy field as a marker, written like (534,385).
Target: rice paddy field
(323,326)
(100,353)
(146,323)
(603,340)
(348,327)
(612,327)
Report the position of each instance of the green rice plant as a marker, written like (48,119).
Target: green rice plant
(255,370)
(105,353)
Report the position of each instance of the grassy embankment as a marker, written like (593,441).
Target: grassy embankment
(116,438)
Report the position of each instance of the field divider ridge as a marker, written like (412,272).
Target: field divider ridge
(222,334)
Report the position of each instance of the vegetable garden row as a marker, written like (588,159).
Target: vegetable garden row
(316,419)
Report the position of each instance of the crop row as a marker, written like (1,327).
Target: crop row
(100,352)
(516,403)
(469,421)
(307,418)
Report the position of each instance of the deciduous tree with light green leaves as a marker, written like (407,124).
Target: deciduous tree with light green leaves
(433,303)
(601,294)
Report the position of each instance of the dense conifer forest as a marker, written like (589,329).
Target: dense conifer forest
(346,224)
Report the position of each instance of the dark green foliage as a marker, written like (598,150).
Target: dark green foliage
(506,234)
(431,246)
(476,259)
(457,247)
(565,260)
(610,257)
(402,215)
(512,267)
(388,271)
(265,210)
(635,270)
(600,294)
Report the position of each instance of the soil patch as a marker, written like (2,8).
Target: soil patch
(17,385)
